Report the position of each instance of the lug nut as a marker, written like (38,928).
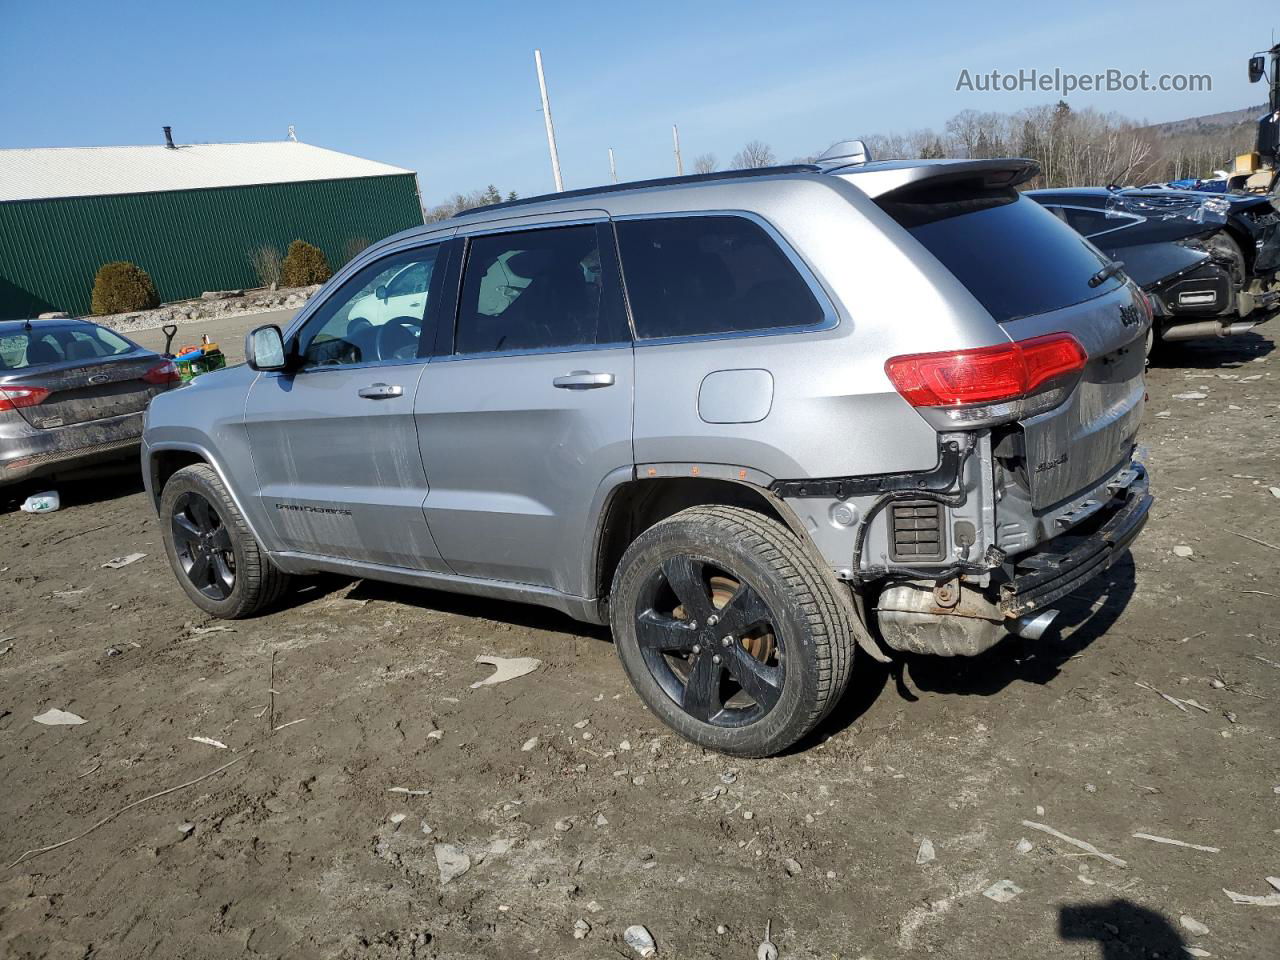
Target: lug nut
(715,659)
(697,648)
(713,620)
(725,641)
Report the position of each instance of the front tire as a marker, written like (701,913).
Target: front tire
(218,563)
(729,631)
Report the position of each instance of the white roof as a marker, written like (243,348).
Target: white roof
(39,173)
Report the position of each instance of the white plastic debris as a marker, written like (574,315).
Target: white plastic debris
(1193,926)
(1084,845)
(1268,900)
(46,502)
(1275,492)
(1002,891)
(1196,952)
(1182,550)
(767,950)
(926,852)
(209,741)
(452,861)
(1191,396)
(640,940)
(59,718)
(117,562)
(409,793)
(506,668)
(1023,846)
(564,826)
(530,744)
(1175,843)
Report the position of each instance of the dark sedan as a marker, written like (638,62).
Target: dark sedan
(72,394)
(1208,262)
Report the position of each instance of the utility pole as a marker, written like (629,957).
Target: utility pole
(613,167)
(546,115)
(675,138)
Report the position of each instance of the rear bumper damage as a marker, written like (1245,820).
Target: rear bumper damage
(956,618)
(31,452)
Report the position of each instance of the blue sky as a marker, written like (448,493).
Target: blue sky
(449,89)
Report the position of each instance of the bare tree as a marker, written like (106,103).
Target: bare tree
(266,261)
(706,163)
(754,155)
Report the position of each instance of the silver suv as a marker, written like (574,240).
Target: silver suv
(750,420)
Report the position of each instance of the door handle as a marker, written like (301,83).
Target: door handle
(583,380)
(380,391)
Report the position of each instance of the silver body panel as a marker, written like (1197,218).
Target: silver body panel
(483,477)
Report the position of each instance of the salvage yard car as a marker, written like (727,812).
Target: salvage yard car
(752,420)
(1208,263)
(72,395)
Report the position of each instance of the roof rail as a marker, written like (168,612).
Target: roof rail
(643,184)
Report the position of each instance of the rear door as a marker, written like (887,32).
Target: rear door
(333,440)
(527,416)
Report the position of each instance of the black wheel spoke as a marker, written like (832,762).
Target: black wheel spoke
(223,580)
(200,573)
(664,634)
(702,689)
(744,610)
(685,575)
(761,681)
(184,531)
(201,513)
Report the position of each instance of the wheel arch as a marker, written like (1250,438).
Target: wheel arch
(162,462)
(636,505)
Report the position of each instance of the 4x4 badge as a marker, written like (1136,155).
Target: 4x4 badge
(1130,316)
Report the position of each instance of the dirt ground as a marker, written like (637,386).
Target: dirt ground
(573,803)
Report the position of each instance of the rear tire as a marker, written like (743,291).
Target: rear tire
(729,631)
(222,568)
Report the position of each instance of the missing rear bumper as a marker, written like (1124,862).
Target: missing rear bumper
(927,618)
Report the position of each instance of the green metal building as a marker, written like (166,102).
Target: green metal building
(190,215)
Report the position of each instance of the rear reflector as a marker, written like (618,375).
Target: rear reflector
(986,375)
(165,372)
(11,398)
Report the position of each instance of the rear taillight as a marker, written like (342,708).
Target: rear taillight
(11,398)
(165,372)
(991,384)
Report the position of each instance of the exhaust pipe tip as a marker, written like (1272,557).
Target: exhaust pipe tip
(1033,625)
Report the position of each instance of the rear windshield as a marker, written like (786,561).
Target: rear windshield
(47,343)
(1014,256)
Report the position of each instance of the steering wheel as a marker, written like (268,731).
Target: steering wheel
(396,334)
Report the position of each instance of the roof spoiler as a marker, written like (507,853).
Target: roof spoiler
(883,180)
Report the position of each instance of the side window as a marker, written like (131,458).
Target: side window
(376,316)
(1088,222)
(538,290)
(691,276)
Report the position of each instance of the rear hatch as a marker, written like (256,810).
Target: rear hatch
(64,384)
(1036,276)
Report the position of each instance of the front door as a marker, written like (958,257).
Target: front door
(528,417)
(333,439)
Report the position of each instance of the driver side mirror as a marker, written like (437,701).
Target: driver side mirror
(381,292)
(264,348)
(1257,68)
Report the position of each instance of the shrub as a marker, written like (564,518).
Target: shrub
(122,287)
(304,265)
(266,264)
